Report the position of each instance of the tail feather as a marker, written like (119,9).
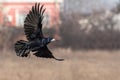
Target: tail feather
(21,48)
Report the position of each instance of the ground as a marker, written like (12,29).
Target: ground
(78,65)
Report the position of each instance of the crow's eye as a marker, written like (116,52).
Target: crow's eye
(48,39)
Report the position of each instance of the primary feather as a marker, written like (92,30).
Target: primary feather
(33,22)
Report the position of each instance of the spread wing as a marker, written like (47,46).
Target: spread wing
(45,53)
(33,22)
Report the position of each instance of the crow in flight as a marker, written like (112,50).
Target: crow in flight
(36,43)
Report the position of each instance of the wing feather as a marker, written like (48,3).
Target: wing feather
(33,22)
(46,53)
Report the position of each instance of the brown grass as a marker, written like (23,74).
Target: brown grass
(78,65)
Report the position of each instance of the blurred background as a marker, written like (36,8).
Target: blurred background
(88,34)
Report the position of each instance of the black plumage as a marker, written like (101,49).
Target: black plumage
(36,43)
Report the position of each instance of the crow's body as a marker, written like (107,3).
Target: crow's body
(33,30)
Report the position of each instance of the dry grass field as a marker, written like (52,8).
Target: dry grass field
(78,65)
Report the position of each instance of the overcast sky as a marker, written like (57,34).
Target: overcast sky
(109,2)
(89,5)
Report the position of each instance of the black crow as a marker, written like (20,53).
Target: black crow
(36,43)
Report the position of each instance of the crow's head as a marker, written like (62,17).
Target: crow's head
(49,39)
